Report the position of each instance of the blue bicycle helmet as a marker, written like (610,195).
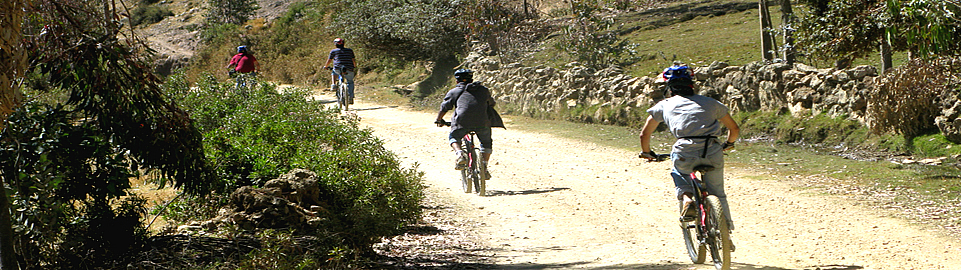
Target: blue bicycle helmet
(241,49)
(463,74)
(676,72)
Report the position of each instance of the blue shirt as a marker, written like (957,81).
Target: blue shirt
(343,57)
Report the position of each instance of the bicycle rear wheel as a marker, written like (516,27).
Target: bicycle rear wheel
(480,185)
(718,234)
(695,250)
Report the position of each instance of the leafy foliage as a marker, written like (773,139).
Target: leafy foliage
(256,137)
(590,39)
(70,161)
(230,11)
(408,30)
(854,29)
(148,15)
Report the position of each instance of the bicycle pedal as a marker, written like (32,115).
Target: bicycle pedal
(686,219)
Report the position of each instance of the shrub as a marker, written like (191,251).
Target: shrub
(256,137)
(148,15)
(906,99)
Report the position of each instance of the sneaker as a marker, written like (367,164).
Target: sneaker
(461,161)
(333,88)
(485,174)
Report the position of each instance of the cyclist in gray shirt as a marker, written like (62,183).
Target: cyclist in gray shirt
(697,121)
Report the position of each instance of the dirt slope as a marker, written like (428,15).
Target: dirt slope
(559,203)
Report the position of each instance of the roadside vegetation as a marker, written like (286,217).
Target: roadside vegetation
(92,118)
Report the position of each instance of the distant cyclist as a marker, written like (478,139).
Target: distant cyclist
(243,62)
(697,122)
(344,66)
(473,111)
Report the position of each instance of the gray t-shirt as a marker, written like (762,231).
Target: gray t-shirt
(690,116)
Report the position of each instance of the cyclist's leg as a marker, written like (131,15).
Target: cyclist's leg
(455,143)
(681,173)
(714,180)
(333,79)
(486,148)
(349,77)
(486,142)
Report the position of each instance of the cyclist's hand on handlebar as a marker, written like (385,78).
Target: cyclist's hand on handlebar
(328,68)
(728,146)
(441,123)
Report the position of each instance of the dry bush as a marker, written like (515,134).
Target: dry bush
(907,99)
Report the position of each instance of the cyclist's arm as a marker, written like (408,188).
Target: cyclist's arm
(327,64)
(733,131)
(440,118)
(646,133)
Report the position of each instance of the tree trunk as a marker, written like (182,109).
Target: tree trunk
(787,24)
(12,62)
(885,50)
(767,41)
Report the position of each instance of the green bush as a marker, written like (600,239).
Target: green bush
(255,137)
(148,15)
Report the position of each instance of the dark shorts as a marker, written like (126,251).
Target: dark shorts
(483,135)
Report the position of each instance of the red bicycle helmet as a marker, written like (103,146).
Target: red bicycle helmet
(338,41)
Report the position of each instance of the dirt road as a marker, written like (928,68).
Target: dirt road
(560,203)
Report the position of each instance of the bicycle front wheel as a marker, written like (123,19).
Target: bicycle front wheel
(695,249)
(719,237)
(342,96)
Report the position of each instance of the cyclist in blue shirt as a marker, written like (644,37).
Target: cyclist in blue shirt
(344,66)
(697,122)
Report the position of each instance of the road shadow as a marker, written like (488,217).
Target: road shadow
(373,108)
(523,192)
(451,264)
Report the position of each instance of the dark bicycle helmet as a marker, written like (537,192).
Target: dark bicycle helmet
(241,49)
(463,74)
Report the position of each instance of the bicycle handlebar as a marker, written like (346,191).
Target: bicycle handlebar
(442,123)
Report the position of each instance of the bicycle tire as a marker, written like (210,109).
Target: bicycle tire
(480,185)
(695,250)
(342,96)
(466,182)
(718,234)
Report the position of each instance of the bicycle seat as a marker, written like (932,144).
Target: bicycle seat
(703,168)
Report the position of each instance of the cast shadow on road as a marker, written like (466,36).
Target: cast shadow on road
(523,192)
(372,108)
(452,263)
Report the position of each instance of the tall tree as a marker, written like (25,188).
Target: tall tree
(787,28)
(115,117)
(767,38)
(12,62)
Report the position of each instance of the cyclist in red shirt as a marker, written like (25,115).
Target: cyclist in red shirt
(243,62)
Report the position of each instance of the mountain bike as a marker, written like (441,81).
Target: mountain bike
(245,81)
(340,86)
(708,229)
(470,177)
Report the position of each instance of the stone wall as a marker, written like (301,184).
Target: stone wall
(798,89)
